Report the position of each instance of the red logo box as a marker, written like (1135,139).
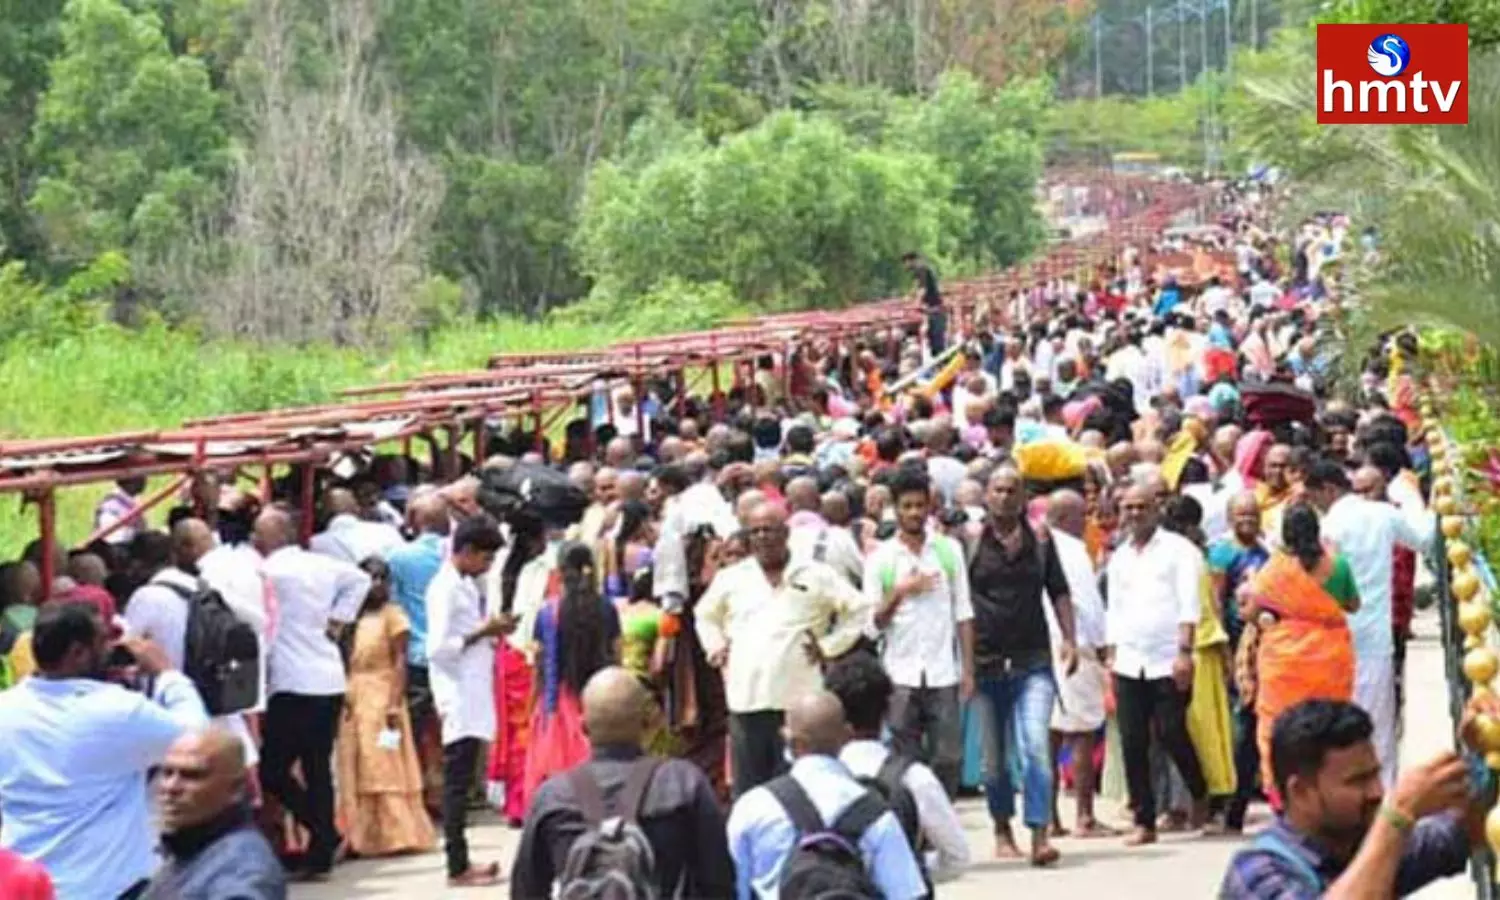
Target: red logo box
(1393,74)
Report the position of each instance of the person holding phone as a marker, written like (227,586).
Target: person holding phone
(77,748)
(463,627)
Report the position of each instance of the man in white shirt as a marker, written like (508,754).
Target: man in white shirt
(813,537)
(306,681)
(768,622)
(1367,534)
(462,629)
(692,501)
(937,836)
(350,538)
(1153,580)
(1080,708)
(159,609)
(917,584)
(119,504)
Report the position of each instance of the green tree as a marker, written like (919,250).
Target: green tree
(1482,16)
(988,141)
(128,141)
(792,212)
(29,37)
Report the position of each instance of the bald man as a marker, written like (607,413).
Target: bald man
(619,453)
(412,566)
(306,683)
(1080,710)
(1154,580)
(817,794)
(1369,483)
(603,491)
(768,622)
(677,809)
(812,537)
(158,610)
(212,845)
(349,537)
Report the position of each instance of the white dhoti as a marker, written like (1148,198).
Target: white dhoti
(1080,696)
(1375,693)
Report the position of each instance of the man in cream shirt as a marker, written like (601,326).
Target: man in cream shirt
(765,621)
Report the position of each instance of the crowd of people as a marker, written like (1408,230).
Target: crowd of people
(1127,542)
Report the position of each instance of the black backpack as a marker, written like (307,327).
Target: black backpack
(826,863)
(890,784)
(612,859)
(220,654)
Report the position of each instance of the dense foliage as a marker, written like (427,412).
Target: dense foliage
(363,155)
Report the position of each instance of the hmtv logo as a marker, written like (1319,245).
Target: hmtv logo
(1393,74)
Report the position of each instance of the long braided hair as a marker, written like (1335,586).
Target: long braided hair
(582,645)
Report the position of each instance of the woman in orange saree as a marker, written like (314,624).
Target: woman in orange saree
(1305,650)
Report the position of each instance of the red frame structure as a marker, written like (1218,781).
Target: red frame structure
(541,385)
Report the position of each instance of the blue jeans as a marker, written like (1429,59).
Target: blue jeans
(1021,700)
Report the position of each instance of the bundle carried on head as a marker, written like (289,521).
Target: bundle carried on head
(529,490)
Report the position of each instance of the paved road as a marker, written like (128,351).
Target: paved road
(1178,868)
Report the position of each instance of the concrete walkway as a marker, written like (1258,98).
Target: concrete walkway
(1179,868)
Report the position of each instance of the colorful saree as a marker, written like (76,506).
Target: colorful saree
(513,701)
(1307,653)
(1208,720)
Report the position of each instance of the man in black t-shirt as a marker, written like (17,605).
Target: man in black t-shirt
(932,301)
(1010,569)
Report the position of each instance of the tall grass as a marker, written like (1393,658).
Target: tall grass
(107,379)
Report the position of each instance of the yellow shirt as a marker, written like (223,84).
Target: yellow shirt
(765,629)
(22,662)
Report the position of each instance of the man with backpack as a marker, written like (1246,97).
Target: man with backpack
(912,790)
(625,825)
(188,617)
(817,831)
(919,590)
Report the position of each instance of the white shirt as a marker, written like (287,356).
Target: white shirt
(462,677)
(1152,590)
(838,548)
(235,573)
(1215,300)
(311,591)
(1083,588)
(1215,505)
(354,540)
(1366,533)
(935,813)
(766,628)
(700,504)
(160,614)
(921,640)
